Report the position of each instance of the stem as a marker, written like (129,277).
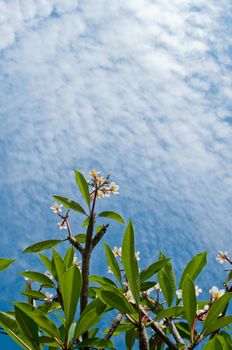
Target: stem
(113,327)
(143,338)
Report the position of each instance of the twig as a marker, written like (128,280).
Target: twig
(75,244)
(99,236)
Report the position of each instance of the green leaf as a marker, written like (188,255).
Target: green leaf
(70,204)
(40,319)
(69,256)
(37,247)
(28,327)
(71,288)
(217,324)
(174,311)
(89,317)
(153,268)
(217,308)
(112,262)
(10,325)
(101,280)
(130,337)
(83,186)
(167,281)
(112,215)
(130,263)
(97,343)
(48,264)
(4,263)
(59,265)
(85,222)
(189,300)
(213,344)
(80,237)
(34,294)
(115,298)
(38,277)
(194,267)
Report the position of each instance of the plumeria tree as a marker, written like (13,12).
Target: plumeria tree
(64,305)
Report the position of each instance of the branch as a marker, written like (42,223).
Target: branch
(113,327)
(143,338)
(154,325)
(75,244)
(99,236)
(175,332)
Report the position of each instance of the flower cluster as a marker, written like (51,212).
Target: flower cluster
(103,188)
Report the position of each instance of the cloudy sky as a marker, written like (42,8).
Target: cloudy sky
(140,88)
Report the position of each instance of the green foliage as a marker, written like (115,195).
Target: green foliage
(112,215)
(4,263)
(167,280)
(83,186)
(37,247)
(189,300)
(130,263)
(70,204)
(48,321)
(112,262)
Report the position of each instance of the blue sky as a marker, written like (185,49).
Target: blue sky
(140,88)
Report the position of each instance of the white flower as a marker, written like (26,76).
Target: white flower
(94,173)
(216,293)
(202,313)
(76,262)
(62,225)
(117,251)
(114,188)
(179,294)
(129,296)
(156,288)
(48,274)
(49,297)
(161,325)
(222,257)
(137,255)
(197,290)
(109,270)
(56,207)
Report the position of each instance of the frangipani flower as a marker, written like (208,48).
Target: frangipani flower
(114,188)
(156,288)
(49,297)
(62,225)
(94,173)
(202,313)
(222,257)
(56,207)
(48,274)
(137,256)
(216,293)
(109,270)
(117,251)
(161,324)
(129,296)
